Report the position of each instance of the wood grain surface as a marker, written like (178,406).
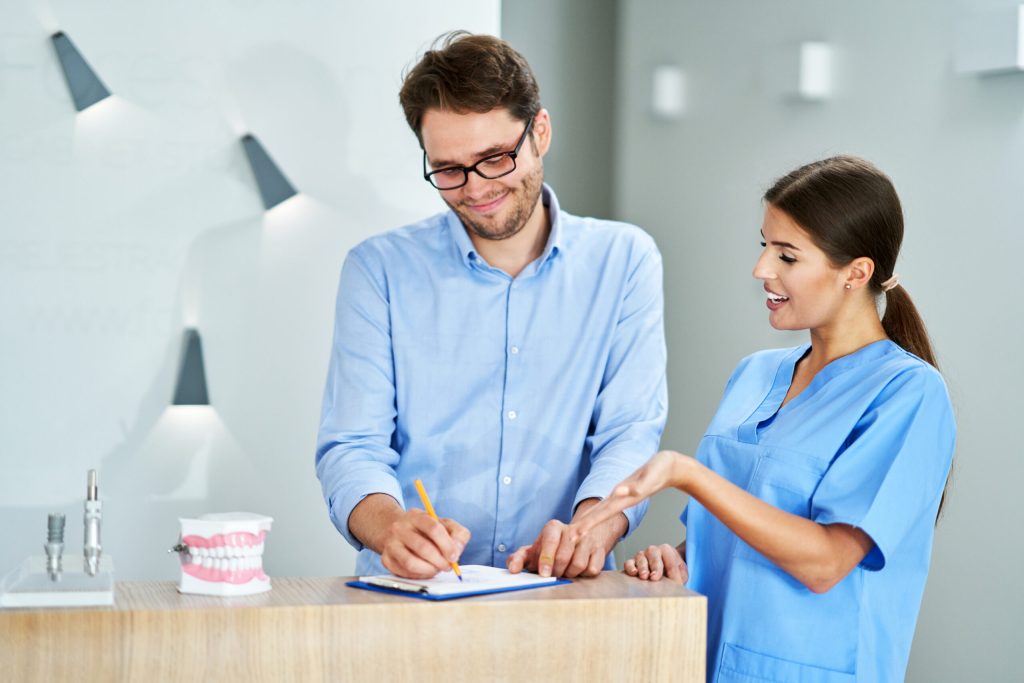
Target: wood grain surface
(317,629)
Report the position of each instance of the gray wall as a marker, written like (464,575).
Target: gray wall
(572,47)
(954,146)
(126,222)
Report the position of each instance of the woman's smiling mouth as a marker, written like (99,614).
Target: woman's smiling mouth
(775,300)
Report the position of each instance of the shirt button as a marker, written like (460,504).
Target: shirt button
(506,480)
(512,414)
(514,350)
(501,547)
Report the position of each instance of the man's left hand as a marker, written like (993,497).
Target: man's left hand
(554,553)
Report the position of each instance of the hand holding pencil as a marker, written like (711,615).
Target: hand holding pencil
(430,511)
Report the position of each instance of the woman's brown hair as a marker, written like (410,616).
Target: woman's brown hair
(850,209)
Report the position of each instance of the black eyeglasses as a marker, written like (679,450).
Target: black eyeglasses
(490,167)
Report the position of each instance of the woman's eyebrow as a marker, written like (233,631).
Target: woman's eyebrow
(785,245)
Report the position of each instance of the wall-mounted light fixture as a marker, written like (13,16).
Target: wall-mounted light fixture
(274,187)
(191,387)
(668,92)
(815,77)
(85,86)
(991,41)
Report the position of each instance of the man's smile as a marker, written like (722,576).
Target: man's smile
(488,206)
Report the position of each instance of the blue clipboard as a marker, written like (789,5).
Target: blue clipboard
(424,595)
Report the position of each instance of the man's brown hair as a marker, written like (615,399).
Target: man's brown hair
(462,73)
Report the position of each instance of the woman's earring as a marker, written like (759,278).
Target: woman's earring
(848,285)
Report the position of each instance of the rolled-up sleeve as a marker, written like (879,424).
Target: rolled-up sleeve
(632,404)
(354,456)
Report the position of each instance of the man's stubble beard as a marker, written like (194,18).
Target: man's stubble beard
(525,197)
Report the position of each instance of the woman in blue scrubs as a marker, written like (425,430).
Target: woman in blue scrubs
(815,491)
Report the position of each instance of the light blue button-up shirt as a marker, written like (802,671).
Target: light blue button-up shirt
(512,399)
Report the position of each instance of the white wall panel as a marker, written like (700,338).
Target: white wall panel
(125,222)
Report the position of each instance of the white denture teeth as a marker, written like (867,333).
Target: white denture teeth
(224,554)
(777,298)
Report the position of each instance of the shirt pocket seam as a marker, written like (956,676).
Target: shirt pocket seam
(735,656)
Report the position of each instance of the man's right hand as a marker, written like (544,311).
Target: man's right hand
(411,543)
(417,546)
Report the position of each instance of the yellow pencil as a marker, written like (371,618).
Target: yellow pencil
(430,511)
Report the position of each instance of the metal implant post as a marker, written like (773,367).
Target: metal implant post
(93,512)
(54,545)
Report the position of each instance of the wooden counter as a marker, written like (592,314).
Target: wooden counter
(317,629)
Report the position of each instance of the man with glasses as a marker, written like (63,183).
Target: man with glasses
(508,354)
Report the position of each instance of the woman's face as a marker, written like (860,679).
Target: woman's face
(805,291)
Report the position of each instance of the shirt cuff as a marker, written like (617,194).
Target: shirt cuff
(346,501)
(875,559)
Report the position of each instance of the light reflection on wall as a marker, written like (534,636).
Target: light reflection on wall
(189,434)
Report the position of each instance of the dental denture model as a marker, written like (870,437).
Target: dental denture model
(222,554)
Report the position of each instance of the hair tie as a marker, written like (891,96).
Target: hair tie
(891,282)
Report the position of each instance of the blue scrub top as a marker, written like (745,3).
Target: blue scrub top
(868,443)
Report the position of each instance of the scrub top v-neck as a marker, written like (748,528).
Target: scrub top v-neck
(867,443)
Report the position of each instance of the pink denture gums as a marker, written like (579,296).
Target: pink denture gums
(216,566)
(239,539)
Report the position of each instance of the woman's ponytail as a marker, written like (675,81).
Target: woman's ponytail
(903,324)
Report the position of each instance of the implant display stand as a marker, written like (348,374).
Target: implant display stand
(43,581)
(30,585)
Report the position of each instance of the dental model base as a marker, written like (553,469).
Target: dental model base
(222,554)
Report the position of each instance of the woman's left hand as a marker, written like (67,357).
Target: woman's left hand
(658,561)
(662,471)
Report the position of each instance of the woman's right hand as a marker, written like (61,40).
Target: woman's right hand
(658,561)
(664,469)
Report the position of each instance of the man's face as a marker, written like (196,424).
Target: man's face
(491,209)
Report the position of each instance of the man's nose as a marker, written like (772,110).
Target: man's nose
(475,184)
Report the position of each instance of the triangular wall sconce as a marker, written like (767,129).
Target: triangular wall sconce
(191,387)
(274,187)
(85,86)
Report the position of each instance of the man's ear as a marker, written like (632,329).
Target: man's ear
(542,132)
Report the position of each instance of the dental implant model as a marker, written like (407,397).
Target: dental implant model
(54,546)
(222,554)
(43,581)
(91,548)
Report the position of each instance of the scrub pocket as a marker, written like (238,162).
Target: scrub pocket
(740,665)
(787,480)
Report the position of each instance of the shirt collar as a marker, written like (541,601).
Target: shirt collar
(554,245)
